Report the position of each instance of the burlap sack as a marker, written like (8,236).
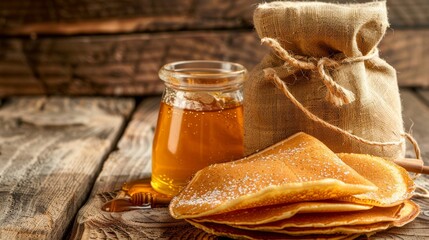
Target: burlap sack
(328,79)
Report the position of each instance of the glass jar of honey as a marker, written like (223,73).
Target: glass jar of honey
(200,121)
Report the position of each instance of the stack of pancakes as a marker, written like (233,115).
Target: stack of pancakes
(298,188)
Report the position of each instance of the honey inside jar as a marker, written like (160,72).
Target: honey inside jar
(200,122)
(190,140)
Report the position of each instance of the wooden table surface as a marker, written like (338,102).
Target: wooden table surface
(62,158)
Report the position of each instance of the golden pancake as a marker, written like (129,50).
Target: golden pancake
(393,182)
(273,213)
(297,169)
(408,212)
(236,233)
(317,220)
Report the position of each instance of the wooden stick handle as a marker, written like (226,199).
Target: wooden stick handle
(413,165)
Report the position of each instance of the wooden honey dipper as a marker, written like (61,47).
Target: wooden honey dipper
(139,200)
(413,165)
(149,199)
(134,195)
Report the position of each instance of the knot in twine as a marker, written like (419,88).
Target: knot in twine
(336,94)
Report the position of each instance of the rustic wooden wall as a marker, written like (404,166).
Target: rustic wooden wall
(125,64)
(116,47)
(70,17)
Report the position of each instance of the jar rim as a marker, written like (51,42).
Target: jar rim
(233,69)
(196,74)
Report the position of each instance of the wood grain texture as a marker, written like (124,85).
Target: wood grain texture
(51,150)
(113,65)
(424,93)
(129,64)
(408,52)
(416,120)
(131,161)
(83,16)
(27,17)
(92,223)
(132,157)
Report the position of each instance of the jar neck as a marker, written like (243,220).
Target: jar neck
(203,100)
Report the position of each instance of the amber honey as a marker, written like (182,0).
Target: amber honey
(188,140)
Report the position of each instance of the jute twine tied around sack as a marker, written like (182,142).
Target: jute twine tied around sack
(336,94)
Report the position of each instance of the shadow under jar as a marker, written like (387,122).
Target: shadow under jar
(200,121)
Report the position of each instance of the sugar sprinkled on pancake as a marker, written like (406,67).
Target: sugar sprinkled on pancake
(393,182)
(300,168)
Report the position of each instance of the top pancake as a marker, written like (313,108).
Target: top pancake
(297,169)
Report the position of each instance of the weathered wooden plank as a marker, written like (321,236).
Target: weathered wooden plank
(51,150)
(411,13)
(132,158)
(131,161)
(82,16)
(28,17)
(92,222)
(113,65)
(424,93)
(416,119)
(408,52)
(128,65)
